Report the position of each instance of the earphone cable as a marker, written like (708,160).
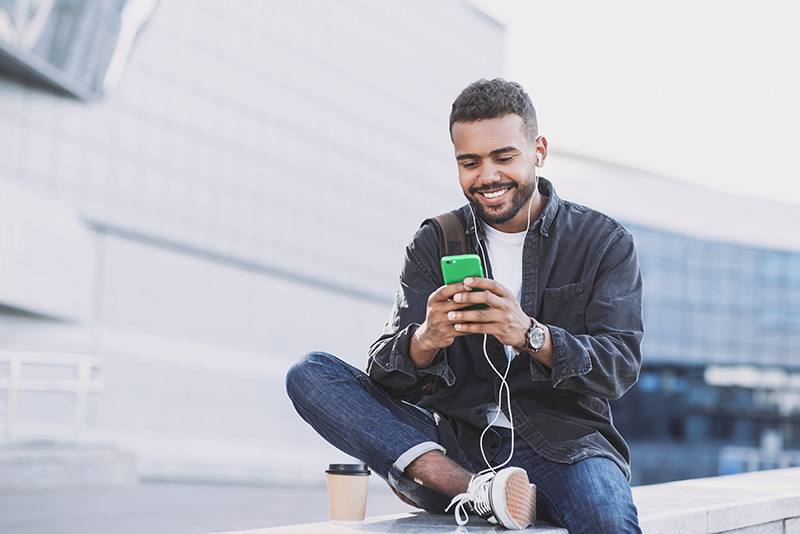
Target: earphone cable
(503,376)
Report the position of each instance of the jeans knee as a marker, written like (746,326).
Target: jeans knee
(303,373)
(311,371)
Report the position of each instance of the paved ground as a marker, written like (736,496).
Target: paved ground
(152,508)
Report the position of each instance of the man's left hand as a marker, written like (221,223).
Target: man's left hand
(504,319)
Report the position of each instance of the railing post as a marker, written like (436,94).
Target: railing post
(82,396)
(88,378)
(14,372)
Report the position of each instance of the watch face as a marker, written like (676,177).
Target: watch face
(536,337)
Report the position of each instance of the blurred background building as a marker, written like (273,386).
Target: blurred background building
(177,235)
(719,391)
(241,198)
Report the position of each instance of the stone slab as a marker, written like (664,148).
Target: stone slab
(670,522)
(719,504)
(792,526)
(415,522)
(767,528)
(752,503)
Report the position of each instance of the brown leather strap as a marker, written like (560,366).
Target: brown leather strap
(455,237)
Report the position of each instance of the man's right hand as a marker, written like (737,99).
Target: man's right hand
(437,332)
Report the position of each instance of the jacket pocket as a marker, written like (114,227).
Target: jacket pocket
(565,307)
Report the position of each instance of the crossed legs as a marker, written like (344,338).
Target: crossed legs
(399,442)
(396,439)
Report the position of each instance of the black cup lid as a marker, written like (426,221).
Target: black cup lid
(348,469)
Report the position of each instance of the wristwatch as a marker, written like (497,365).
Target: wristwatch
(534,339)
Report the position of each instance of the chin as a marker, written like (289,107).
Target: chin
(492,216)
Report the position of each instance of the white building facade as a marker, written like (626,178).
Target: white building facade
(241,198)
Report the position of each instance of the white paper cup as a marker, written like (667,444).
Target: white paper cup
(347,492)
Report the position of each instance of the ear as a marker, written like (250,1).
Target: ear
(541,151)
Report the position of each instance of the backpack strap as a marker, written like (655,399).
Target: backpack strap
(454,235)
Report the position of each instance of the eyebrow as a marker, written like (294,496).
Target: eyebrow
(492,153)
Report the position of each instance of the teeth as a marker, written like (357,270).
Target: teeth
(495,194)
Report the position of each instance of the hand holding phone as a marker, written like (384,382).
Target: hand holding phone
(456,268)
(438,330)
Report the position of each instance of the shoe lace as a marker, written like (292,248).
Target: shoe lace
(476,496)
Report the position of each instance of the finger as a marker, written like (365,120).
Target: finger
(443,294)
(478,297)
(487,284)
(442,308)
(447,292)
(464,329)
(472,316)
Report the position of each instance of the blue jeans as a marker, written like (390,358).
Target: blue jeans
(357,416)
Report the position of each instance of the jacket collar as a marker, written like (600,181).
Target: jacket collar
(549,213)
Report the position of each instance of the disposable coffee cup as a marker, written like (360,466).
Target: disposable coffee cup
(347,492)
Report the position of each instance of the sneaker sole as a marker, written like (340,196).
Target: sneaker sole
(520,500)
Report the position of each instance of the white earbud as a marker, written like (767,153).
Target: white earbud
(539,159)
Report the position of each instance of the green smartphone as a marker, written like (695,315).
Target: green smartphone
(456,268)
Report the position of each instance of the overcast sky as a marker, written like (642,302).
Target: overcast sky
(704,91)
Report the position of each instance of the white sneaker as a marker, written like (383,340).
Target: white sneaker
(505,497)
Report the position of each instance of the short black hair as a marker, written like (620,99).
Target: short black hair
(493,99)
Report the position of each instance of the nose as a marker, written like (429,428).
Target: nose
(488,173)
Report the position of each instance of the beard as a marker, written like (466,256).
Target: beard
(522,194)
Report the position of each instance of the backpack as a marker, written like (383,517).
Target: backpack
(454,235)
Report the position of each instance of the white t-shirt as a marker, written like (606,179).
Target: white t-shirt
(505,255)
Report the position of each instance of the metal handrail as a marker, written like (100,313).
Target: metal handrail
(89,379)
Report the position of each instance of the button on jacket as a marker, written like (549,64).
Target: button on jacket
(581,278)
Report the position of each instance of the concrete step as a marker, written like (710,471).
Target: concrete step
(37,465)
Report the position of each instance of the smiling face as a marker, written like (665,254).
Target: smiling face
(496,170)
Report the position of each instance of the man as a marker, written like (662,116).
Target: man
(463,408)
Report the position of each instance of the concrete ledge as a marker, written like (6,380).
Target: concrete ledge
(766,502)
(416,522)
(750,503)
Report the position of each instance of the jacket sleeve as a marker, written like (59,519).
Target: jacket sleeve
(605,362)
(389,362)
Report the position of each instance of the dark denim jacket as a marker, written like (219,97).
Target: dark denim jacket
(581,278)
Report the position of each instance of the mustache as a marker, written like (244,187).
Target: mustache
(491,187)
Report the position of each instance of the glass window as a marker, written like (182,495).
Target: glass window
(81,47)
(775,267)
